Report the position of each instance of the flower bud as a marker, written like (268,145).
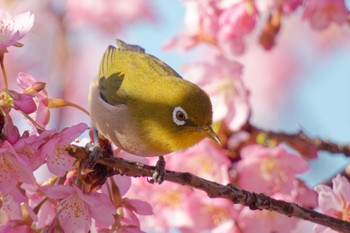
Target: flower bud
(35,88)
(25,103)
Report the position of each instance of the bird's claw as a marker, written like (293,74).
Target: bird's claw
(159,172)
(91,161)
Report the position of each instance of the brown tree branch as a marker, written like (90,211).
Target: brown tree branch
(317,143)
(215,190)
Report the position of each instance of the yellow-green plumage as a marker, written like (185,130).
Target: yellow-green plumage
(132,103)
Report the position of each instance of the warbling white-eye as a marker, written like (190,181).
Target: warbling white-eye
(144,107)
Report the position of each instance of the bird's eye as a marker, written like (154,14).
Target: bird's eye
(179,116)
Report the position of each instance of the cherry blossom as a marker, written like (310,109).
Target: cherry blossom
(201,25)
(322,13)
(27,82)
(14,29)
(11,204)
(235,22)
(46,208)
(166,200)
(222,24)
(205,160)
(28,146)
(269,170)
(14,168)
(334,201)
(207,214)
(129,209)
(222,81)
(58,160)
(77,209)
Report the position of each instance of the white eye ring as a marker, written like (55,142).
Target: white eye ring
(179,116)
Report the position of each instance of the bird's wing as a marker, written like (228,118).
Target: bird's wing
(127,62)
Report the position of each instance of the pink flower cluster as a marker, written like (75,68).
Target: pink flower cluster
(52,206)
(322,13)
(225,23)
(272,171)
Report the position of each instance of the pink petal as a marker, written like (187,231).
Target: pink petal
(327,199)
(341,187)
(123,182)
(28,147)
(25,80)
(57,191)
(303,195)
(48,148)
(71,133)
(129,218)
(11,207)
(25,172)
(292,162)
(14,29)
(74,215)
(323,229)
(43,113)
(18,195)
(140,207)
(60,161)
(23,23)
(100,207)
(8,176)
(13,168)
(4,15)
(46,214)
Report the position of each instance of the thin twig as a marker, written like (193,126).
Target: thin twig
(59,103)
(230,192)
(2,55)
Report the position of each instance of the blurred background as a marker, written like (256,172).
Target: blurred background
(301,84)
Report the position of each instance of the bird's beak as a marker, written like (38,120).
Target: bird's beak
(209,132)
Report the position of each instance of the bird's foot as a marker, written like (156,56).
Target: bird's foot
(94,155)
(159,172)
